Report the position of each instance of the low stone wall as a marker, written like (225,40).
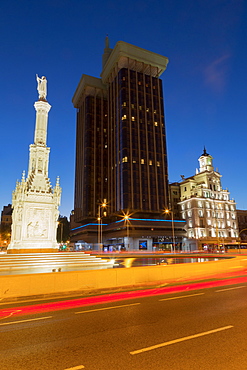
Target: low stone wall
(13,286)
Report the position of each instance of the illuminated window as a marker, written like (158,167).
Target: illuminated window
(134,161)
(155,123)
(147,110)
(142,161)
(125,159)
(132,106)
(150,162)
(124,104)
(124,117)
(158,164)
(132,118)
(140,107)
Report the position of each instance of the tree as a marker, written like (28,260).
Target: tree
(5,233)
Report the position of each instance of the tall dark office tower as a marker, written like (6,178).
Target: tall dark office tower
(121,155)
(91,170)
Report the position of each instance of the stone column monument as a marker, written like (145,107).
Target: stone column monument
(35,203)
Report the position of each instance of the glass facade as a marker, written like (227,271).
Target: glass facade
(121,154)
(91,156)
(138,143)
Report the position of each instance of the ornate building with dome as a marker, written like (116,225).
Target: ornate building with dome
(210,213)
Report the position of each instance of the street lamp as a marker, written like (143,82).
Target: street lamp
(173,249)
(102,205)
(61,224)
(239,243)
(126,219)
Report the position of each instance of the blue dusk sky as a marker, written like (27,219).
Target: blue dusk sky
(205,84)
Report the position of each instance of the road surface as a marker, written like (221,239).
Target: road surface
(202,329)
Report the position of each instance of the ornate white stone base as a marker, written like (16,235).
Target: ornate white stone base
(36,250)
(33,247)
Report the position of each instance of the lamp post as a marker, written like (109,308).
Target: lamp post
(102,205)
(173,249)
(126,218)
(239,243)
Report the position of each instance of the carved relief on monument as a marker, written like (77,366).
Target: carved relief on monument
(37,223)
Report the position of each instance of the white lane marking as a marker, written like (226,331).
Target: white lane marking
(76,367)
(180,340)
(181,296)
(109,308)
(21,321)
(236,287)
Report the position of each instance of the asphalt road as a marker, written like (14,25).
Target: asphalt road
(202,329)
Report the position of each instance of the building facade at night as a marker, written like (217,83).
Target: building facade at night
(210,214)
(121,156)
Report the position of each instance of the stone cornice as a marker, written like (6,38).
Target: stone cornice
(123,49)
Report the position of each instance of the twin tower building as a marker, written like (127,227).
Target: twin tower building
(121,155)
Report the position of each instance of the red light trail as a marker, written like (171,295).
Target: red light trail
(114,297)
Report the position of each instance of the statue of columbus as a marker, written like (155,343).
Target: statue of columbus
(42,87)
